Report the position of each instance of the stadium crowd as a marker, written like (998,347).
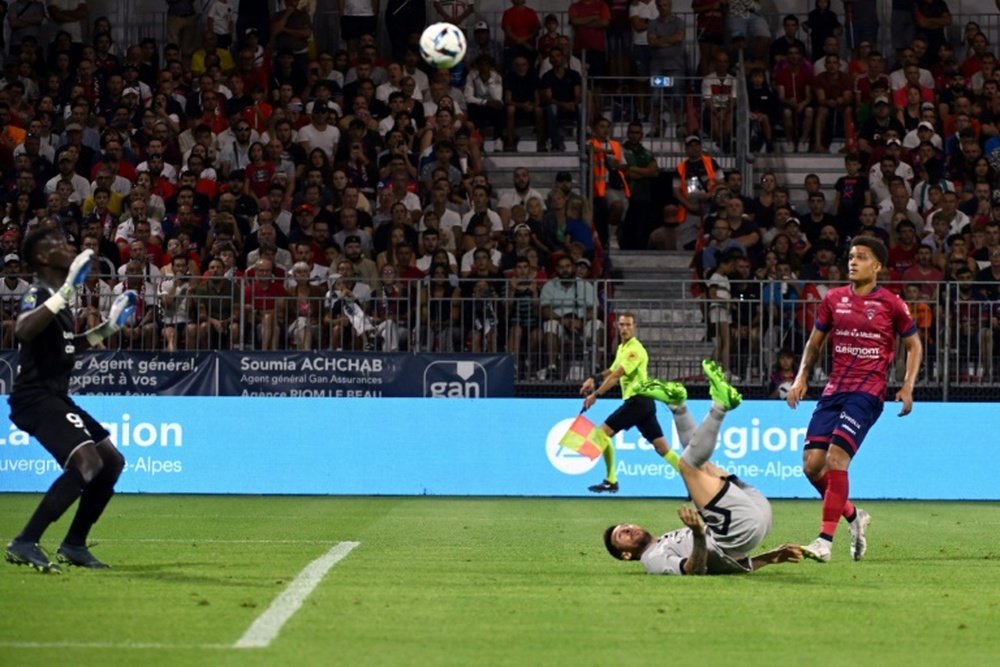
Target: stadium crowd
(261,191)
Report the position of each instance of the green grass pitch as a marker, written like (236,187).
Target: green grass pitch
(496,581)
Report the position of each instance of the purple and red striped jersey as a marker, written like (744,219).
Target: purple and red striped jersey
(862,337)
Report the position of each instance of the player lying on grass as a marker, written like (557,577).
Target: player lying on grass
(730,518)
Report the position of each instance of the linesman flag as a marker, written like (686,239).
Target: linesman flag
(585,438)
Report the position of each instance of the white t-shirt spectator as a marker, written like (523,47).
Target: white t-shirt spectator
(469,257)
(326,139)
(496,224)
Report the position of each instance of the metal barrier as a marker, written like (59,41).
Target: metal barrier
(561,341)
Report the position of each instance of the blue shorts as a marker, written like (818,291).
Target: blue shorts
(847,416)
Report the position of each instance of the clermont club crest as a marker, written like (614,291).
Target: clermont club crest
(870,313)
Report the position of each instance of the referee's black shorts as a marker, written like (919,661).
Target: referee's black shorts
(59,424)
(638,411)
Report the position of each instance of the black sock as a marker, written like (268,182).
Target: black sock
(95,498)
(63,492)
(92,503)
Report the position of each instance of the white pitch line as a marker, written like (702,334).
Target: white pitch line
(199,540)
(267,626)
(111,645)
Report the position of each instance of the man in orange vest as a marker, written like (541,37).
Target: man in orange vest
(697,177)
(611,191)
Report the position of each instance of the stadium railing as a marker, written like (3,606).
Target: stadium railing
(675,323)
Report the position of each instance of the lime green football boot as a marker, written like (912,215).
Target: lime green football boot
(671,393)
(719,388)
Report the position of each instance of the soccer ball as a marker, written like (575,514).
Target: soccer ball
(783,389)
(442,45)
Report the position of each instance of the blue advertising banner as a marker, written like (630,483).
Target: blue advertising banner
(499,447)
(295,374)
(357,375)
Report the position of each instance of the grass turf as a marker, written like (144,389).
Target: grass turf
(444,581)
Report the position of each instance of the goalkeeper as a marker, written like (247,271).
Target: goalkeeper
(40,402)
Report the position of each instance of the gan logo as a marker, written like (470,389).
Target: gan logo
(455,379)
(565,460)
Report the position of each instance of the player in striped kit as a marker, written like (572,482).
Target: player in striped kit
(861,321)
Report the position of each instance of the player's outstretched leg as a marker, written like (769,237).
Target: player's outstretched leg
(722,393)
(671,393)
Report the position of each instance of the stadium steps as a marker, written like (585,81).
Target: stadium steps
(792,168)
(543,166)
(675,336)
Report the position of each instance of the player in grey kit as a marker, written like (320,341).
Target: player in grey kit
(730,518)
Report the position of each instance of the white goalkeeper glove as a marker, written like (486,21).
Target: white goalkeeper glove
(122,308)
(77,273)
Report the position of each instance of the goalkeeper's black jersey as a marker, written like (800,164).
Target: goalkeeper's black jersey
(45,363)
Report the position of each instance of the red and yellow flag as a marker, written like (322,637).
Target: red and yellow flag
(585,438)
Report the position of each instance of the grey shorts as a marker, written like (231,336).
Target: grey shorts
(739,518)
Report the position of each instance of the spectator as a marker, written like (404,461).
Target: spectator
(720,242)
(794,85)
(175,302)
(519,194)
(482,43)
(745,22)
(478,232)
(666,58)
(440,310)
(569,317)
(718,90)
(346,319)
(182,25)
(710,27)
(520,27)
(264,295)
(481,213)
(303,305)
(851,193)
(763,106)
(778,53)
(611,188)
(834,97)
(641,14)
(560,96)
(873,130)
(931,17)
(907,57)
(664,237)
(484,95)
(291,31)
(903,253)
(641,174)
(924,274)
(12,288)
(403,19)
(521,102)
(697,177)
(589,20)
(718,295)
(822,25)
(140,330)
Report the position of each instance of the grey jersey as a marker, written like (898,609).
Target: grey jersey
(669,553)
(737,521)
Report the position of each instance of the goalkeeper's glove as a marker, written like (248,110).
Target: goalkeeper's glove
(122,308)
(77,273)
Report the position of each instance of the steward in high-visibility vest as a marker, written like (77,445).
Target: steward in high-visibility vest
(697,177)
(608,159)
